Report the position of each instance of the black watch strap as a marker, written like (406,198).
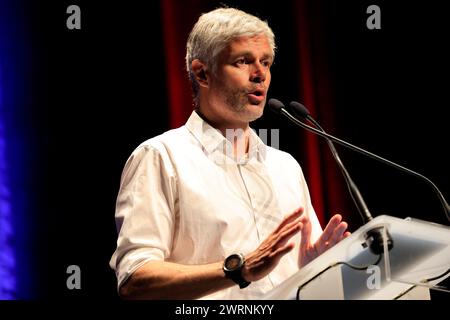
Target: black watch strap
(240,281)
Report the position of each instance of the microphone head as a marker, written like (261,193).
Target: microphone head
(275,105)
(299,109)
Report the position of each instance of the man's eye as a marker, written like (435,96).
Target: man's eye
(241,61)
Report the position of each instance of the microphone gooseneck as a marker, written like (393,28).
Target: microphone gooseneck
(360,204)
(284,112)
(374,237)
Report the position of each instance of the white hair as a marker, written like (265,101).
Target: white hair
(214,31)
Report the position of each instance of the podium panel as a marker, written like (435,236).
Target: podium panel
(417,262)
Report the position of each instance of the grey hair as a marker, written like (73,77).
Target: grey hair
(213,32)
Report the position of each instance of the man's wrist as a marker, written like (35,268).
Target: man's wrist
(233,267)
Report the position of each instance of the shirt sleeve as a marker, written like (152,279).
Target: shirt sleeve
(144,211)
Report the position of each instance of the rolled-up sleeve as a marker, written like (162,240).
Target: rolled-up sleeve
(145,216)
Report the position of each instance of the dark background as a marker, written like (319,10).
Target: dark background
(98,92)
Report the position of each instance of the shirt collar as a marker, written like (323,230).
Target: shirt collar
(212,139)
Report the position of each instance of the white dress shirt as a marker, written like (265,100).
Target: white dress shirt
(183,200)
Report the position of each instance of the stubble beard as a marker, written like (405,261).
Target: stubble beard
(237,101)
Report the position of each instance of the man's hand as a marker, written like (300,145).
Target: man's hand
(333,233)
(265,258)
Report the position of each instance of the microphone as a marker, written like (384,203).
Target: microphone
(278,107)
(374,237)
(360,204)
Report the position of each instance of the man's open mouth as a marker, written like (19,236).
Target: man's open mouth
(256,96)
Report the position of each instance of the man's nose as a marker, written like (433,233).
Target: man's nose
(258,74)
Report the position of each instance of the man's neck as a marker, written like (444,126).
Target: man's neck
(237,133)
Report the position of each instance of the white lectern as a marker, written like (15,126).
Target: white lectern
(418,261)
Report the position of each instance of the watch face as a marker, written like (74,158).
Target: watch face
(233,262)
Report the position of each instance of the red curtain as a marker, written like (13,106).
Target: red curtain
(326,186)
(178,18)
(313,170)
(316,92)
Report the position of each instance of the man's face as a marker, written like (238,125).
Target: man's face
(238,89)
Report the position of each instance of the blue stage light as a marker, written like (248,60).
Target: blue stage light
(7,259)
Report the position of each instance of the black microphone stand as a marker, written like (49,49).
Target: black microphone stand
(374,237)
(444,203)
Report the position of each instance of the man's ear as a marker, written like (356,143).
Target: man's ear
(200,72)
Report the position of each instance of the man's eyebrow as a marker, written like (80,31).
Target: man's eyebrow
(250,54)
(241,54)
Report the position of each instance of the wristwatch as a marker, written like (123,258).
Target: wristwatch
(232,267)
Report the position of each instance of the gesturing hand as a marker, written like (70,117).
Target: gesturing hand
(266,257)
(333,233)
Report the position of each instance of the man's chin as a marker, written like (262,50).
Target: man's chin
(254,111)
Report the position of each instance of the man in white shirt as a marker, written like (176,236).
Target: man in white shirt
(208,210)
